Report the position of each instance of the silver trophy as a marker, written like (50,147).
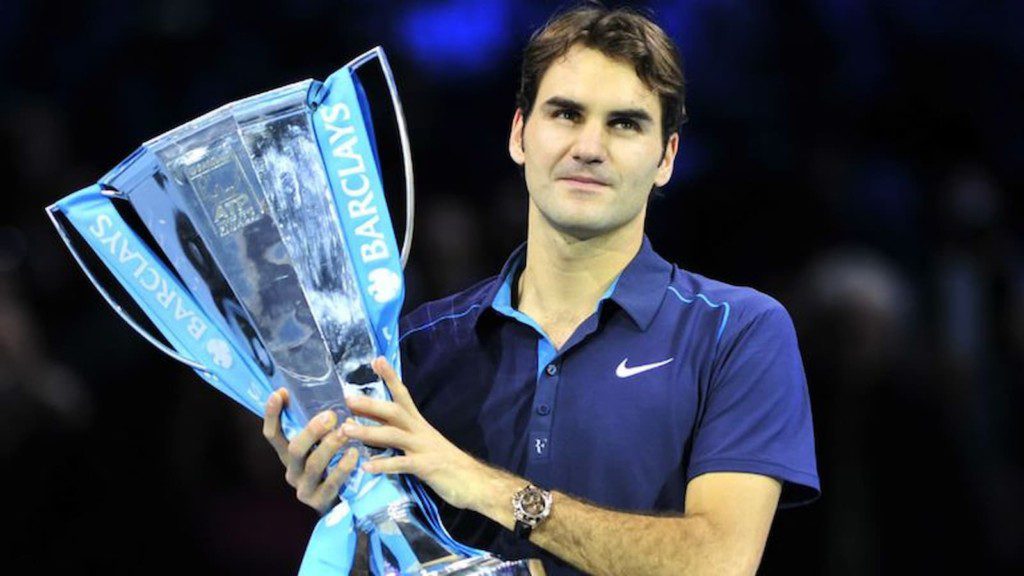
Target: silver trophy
(266,258)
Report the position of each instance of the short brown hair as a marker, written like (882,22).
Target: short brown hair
(619,33)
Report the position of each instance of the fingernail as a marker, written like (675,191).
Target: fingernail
(338,434)
(348,428)
(325,419)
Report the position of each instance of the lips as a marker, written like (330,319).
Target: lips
(585,180)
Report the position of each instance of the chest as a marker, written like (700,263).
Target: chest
(609,418)
(631,401)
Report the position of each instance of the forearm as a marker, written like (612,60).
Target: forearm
(601,541)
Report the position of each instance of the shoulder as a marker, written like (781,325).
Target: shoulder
(448,314)
(438,338)
(737,308)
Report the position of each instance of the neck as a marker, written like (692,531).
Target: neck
(565,276)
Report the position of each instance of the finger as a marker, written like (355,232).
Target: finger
(298,448)
(319,458)
(383,436)
(272,423)
(383,411)
(398,390)
(328,491)
(393,465)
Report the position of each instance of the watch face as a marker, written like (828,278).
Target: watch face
(533,503)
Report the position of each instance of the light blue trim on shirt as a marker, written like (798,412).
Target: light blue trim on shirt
(725,305)
(438,320)
(502,303)
(546,350)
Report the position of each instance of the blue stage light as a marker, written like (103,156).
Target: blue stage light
(457,36)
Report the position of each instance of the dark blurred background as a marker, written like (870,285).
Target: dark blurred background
(863,162)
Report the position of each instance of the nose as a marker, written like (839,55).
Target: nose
(589,146)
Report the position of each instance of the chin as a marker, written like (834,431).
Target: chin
(583,228)
(582,219)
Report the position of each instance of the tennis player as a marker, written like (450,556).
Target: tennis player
(592,404)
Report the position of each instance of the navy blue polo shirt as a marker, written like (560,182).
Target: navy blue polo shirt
(674,375)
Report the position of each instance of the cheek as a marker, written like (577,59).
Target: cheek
(642,170)
(543,145)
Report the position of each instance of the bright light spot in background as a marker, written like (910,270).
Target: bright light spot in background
(457,36)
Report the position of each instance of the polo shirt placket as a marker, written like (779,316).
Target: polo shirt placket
(550,362)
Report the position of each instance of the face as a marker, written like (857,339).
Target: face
(592,146)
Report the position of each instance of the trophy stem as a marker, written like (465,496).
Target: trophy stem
(402,542)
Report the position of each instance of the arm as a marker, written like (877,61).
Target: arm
(723,531)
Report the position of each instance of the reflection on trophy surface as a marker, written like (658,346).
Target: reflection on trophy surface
(250,279)
(269,223)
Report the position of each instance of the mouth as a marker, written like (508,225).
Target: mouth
(586,182)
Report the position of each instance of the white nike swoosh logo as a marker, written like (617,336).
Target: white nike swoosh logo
(623,371)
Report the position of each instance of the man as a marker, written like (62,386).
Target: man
(592,405)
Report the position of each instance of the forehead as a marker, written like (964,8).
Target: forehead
(589,77)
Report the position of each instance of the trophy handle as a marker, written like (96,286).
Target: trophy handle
(51,211)
(403,134)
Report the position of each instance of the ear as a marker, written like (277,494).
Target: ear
(667,161)
(515,138)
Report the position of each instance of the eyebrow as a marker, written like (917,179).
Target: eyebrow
(635,114)
(560,102)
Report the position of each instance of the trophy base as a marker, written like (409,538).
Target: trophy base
(405,547)
(482,566)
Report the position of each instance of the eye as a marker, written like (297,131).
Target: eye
(626,124)
(567,114)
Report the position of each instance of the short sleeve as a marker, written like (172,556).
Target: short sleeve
(756,416)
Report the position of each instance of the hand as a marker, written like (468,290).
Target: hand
(449,471)
(304,459)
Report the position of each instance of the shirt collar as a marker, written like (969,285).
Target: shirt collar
(639,289)
(642,285)
(502,299)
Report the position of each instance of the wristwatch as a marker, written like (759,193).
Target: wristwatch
(530,507)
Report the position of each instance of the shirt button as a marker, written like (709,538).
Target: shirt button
(551,369)
(543,409)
